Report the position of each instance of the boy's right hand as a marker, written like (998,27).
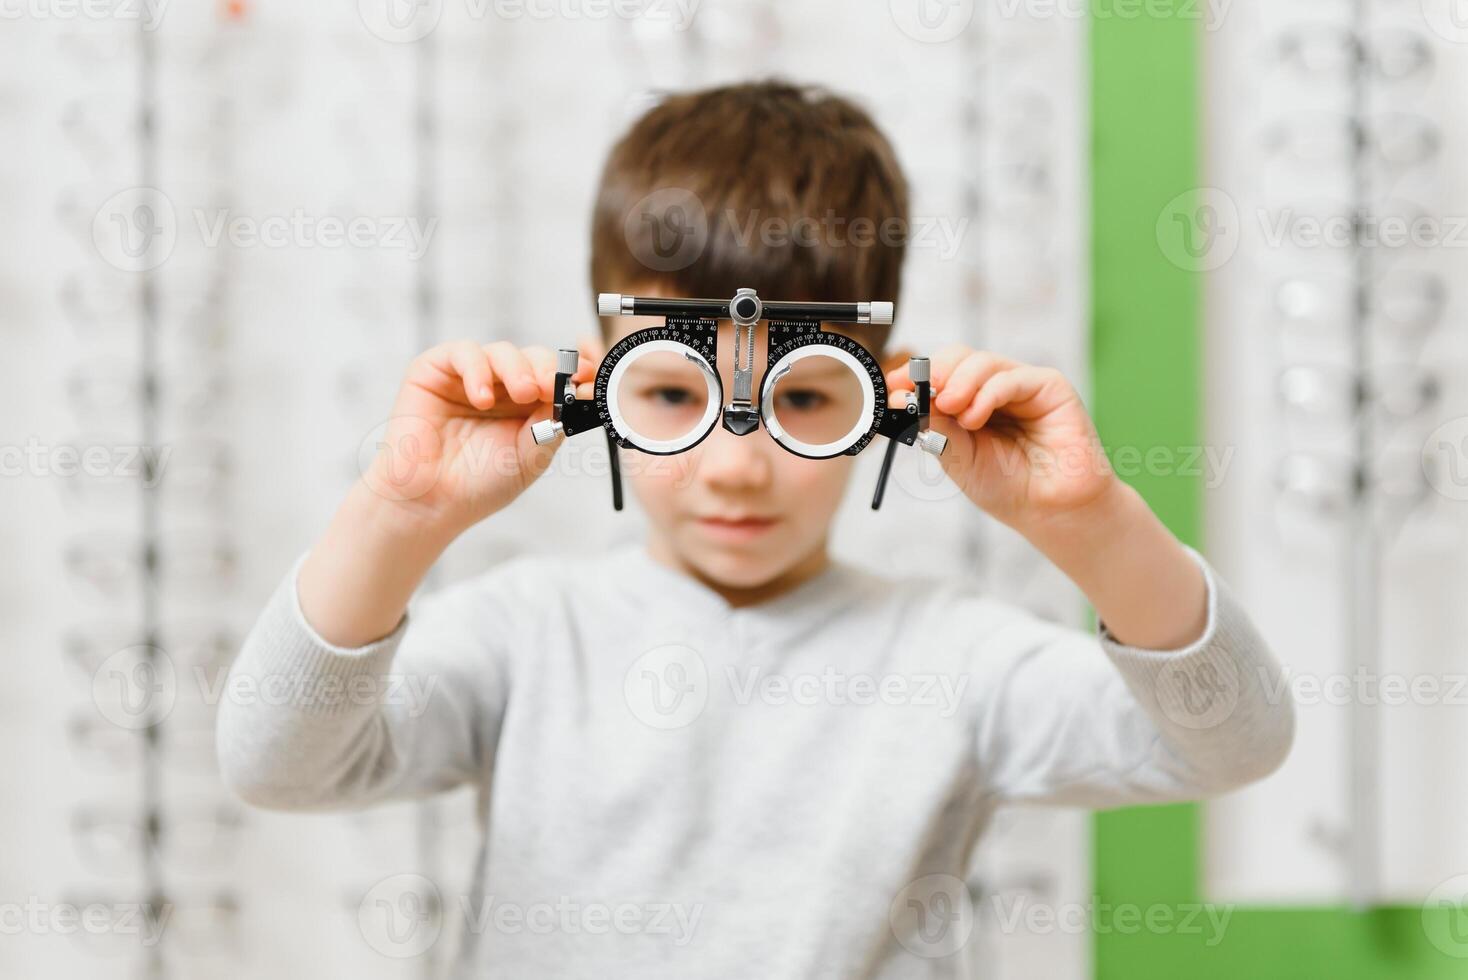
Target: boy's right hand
(457,447)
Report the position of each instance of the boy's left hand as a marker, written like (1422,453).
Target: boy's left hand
(1020,442)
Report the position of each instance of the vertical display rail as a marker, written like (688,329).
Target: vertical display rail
(427,838)
(508,208)
(425,163)
(1362,587)
(979,553)
(148,387)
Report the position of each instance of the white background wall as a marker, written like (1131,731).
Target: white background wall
(283,359)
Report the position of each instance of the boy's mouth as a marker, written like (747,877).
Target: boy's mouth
(737,527)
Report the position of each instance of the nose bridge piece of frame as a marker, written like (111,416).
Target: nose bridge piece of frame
(741,417)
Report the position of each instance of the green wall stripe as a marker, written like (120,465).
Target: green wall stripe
(1145,363)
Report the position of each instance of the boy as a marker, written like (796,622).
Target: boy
(613,711)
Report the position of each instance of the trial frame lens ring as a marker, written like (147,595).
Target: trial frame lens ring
(824,450)
(664,447)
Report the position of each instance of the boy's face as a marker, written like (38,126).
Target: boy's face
(737,510)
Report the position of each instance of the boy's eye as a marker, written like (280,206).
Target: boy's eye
(803,400)
(680,397)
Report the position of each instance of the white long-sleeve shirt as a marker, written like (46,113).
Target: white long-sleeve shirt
(670,787)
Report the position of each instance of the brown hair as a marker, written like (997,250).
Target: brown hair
(787,189)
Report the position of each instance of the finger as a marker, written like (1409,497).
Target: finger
(940,367)
(452,371)
(900,378)
(1007,388)
(591,351)
(467,360)
(543,366)
(966,379)
(585,371)
(514,371)
(535,457)
(949,358)
(945,360)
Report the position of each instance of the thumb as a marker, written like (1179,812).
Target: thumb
(535,459)
(592,349)
(960,454)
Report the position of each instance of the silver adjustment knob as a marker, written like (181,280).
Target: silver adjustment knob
(745,307)
(567,360)
(546,431)
(919,369)
(932,441)
(608,304)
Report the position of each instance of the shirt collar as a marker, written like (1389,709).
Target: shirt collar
(806,605)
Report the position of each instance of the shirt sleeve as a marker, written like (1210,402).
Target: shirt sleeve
(305,725)
(1079,718)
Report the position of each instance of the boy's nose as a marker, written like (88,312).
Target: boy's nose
(729,462)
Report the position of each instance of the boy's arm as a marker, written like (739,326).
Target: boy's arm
(1076,718)
(309,725)
(334,700)
(1191,701)
(1145,587)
